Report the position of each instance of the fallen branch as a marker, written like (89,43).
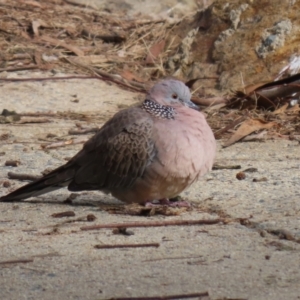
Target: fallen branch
(154,224)
(156,245)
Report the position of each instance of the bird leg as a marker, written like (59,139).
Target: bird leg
(174,202)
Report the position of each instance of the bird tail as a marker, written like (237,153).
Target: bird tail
(55,180)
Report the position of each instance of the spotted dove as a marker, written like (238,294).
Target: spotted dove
(150,152)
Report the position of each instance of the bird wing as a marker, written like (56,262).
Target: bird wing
(113,158)
(117,155)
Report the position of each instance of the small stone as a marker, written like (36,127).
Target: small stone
(240,176)
(6,184)
(91,217)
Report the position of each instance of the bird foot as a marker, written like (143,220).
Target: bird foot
(167,202)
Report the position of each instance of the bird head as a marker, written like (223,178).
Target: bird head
(172,92)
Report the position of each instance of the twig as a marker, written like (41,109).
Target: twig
(17,261)
(255,137)
(31,120)
(12,69)
(69,213)
(209,101)
(173,297)
(154,224)
(23,176)
(135,86)
(106,38)
(61,43)
(85,4)
(38,114)
(64,143)
(12,163)
(139,23)
(48,78)
(156,245)
(83,131)
(219,167)
(171,258)
(229,126)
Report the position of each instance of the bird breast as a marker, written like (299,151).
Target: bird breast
(186,145)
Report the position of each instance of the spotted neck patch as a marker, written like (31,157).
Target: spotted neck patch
(158,110)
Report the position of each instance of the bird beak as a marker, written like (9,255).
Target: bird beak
(192,105)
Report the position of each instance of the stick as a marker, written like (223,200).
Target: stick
(154,224)
(83,131)
(61,43)
(156,245)
(230,126)
(17,261)
(138,87)
(219,167)
(85,5)
(106,38)
(23,176)
(38,114)
(26,120)
(64,143)
(69,213)
(12,163)
(12,69)
(209,101)
(173,297)
(48,78)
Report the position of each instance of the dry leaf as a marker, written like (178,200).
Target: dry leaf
(38,58)
(32,3)
(281,109)
(269,95)
(154,51)
(97,60)
(36,24)
(126,74)
(60,43)
(249,126)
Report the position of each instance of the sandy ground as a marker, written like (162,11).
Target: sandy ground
(258,259)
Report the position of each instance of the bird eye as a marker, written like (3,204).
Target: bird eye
(174,96)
